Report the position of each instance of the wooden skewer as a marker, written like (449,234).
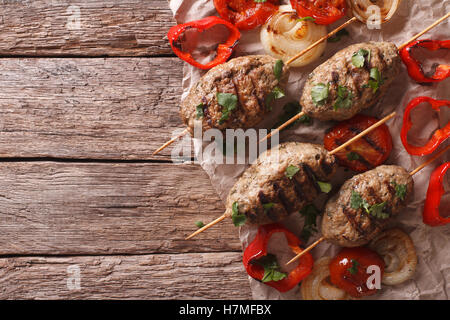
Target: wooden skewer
(297,116)
(315,44)
(424,31)
(168,143)
(209,225)
(375,125)
(423,165)
(358,136)
(301,53)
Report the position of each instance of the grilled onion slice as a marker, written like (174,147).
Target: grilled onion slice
(284,35)
(398,252)
(317,285)
(360,9)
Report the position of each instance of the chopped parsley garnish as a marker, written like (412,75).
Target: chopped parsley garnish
(319,93)
(325,187)
(400,190)
(359,58)
(268,206)
(199,224)
(271,268)
(310,213)
(229,102)
(199,111)
(375,79)
(291,171)
(344,99)
(291,109)
(238,219)
(354,268)
(337,37)
(278,69)
(376,210)
(306,19)
(352,156)
(276,93)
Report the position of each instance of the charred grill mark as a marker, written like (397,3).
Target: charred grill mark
(298,189)
(362,160)
(368,140)
(354,223)
(260,100)
(327,168)
(263,199)
(311,176)
(335,76)
(282,197)
(206,114)
(238,93)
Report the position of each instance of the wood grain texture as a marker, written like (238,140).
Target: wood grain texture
(103,108)
(106,28)
(163,276)
(49,208)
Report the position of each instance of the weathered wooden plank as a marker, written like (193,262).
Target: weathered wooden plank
(84,28)
(101,108)
(162,276)
(49,208)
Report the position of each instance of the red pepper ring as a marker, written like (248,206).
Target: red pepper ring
(224,50)
(439,135)
(414,67)
(258,248)
(435,192)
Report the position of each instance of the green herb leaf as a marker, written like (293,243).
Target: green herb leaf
(199,111)
(352,156)
(375,79)
(268,206)
(291,171)
(306,19)
(229,102)
(377,211)
(359,58)
(319,93)
(357,202)
(344,99)
(310,213)
(278,69)
(354,268)
(276,93)
(400,190)
(325,187)
(337,37)
(238,219)
(199,224)
(271,268)
(290,109)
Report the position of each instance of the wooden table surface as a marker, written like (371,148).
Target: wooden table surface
(88,90)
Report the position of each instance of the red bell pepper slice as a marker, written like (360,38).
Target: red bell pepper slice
(258,249)
(224,50)
(435,192)
(439,135)
(414,67)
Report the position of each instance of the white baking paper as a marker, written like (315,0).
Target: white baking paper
(432,279)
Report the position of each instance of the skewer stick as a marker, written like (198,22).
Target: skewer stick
(423,165)
(358,136)
(315,44)
(168,143)
(284,125)
(424,31)
(209,225)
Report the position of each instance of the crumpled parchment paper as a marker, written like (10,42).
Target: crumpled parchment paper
(432,278)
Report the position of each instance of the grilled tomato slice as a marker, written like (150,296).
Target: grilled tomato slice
(366,153)
(349,270)
(246,14)
(323,11)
